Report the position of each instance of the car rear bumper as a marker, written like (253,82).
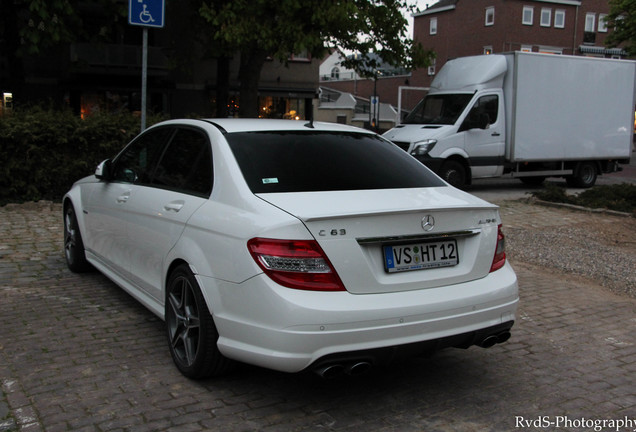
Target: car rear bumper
(290,330)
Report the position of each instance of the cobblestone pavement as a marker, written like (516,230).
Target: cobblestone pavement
(77,353)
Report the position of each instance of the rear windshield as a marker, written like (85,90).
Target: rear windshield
(312,161)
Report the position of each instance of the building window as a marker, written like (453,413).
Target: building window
(303,56)
(546,17)
(433,26)
(487,50)
(490,16)
(602,23)
(431,68)
(548,50)
(559,18)
(335,73)
(590,21)
(528,15)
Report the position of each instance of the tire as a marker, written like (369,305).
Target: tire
(584,176)
(73,244)
(532,181)
(453,173)
(192,335)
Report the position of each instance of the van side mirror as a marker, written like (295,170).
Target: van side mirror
(484,121)
(104,170)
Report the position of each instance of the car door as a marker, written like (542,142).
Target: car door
(108,213)
(485,146)
(180,184)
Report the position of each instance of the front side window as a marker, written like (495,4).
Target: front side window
(490,16)
(528,15)
(137,162)
(484,112)
(313,161)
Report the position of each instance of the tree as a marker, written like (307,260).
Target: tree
(262,29)
(622,18)
(30,27)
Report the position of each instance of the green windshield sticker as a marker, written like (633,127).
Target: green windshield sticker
(270,180)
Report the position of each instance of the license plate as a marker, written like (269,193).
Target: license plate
(420,256)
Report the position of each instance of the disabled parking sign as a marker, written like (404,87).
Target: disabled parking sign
(147,13)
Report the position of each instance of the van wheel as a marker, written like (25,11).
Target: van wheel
(192,335)
(453,173)
(584,176)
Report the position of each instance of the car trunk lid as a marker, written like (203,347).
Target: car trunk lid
(414,228)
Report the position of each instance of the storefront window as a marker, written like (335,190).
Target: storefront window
(282,108)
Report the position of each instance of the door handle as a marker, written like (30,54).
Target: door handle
(174,207)
(496,134)
(123,198)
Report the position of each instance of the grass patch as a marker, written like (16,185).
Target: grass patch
(621,197)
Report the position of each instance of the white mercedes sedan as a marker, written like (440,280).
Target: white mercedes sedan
(292,246)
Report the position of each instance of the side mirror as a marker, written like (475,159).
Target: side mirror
(103,170)
(484,121)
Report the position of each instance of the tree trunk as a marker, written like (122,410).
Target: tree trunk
(252,61)
(222,87)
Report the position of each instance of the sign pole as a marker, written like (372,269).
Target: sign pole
(145,13)
(144,77)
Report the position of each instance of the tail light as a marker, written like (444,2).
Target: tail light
(298,264)
(500,251)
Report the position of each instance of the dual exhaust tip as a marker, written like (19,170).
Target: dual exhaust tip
(494,339)
(359,367)
(335,370)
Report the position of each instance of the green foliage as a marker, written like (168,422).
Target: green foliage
(259,29)
(621,197)
(615,197)
(45,23)
(622,18)
(43,151)
(295,26)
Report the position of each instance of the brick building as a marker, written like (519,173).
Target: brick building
(457,28)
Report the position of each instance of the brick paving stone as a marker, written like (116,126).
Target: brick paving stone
(79,354)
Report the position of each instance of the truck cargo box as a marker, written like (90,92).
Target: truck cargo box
(568,108)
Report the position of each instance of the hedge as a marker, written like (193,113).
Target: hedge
(43,151)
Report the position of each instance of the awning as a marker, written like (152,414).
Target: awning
(602,50)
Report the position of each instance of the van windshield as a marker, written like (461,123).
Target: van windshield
(439,109)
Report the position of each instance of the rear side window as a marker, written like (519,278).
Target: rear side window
(312,161)
(186,165)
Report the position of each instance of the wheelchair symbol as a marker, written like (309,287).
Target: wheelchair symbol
(145,16)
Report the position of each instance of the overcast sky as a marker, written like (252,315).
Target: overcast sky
(421,4)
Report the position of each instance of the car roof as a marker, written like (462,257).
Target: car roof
(231,125)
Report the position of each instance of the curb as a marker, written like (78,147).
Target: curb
(581,208)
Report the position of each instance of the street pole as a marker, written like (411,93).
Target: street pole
(375,101)
(144,77)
